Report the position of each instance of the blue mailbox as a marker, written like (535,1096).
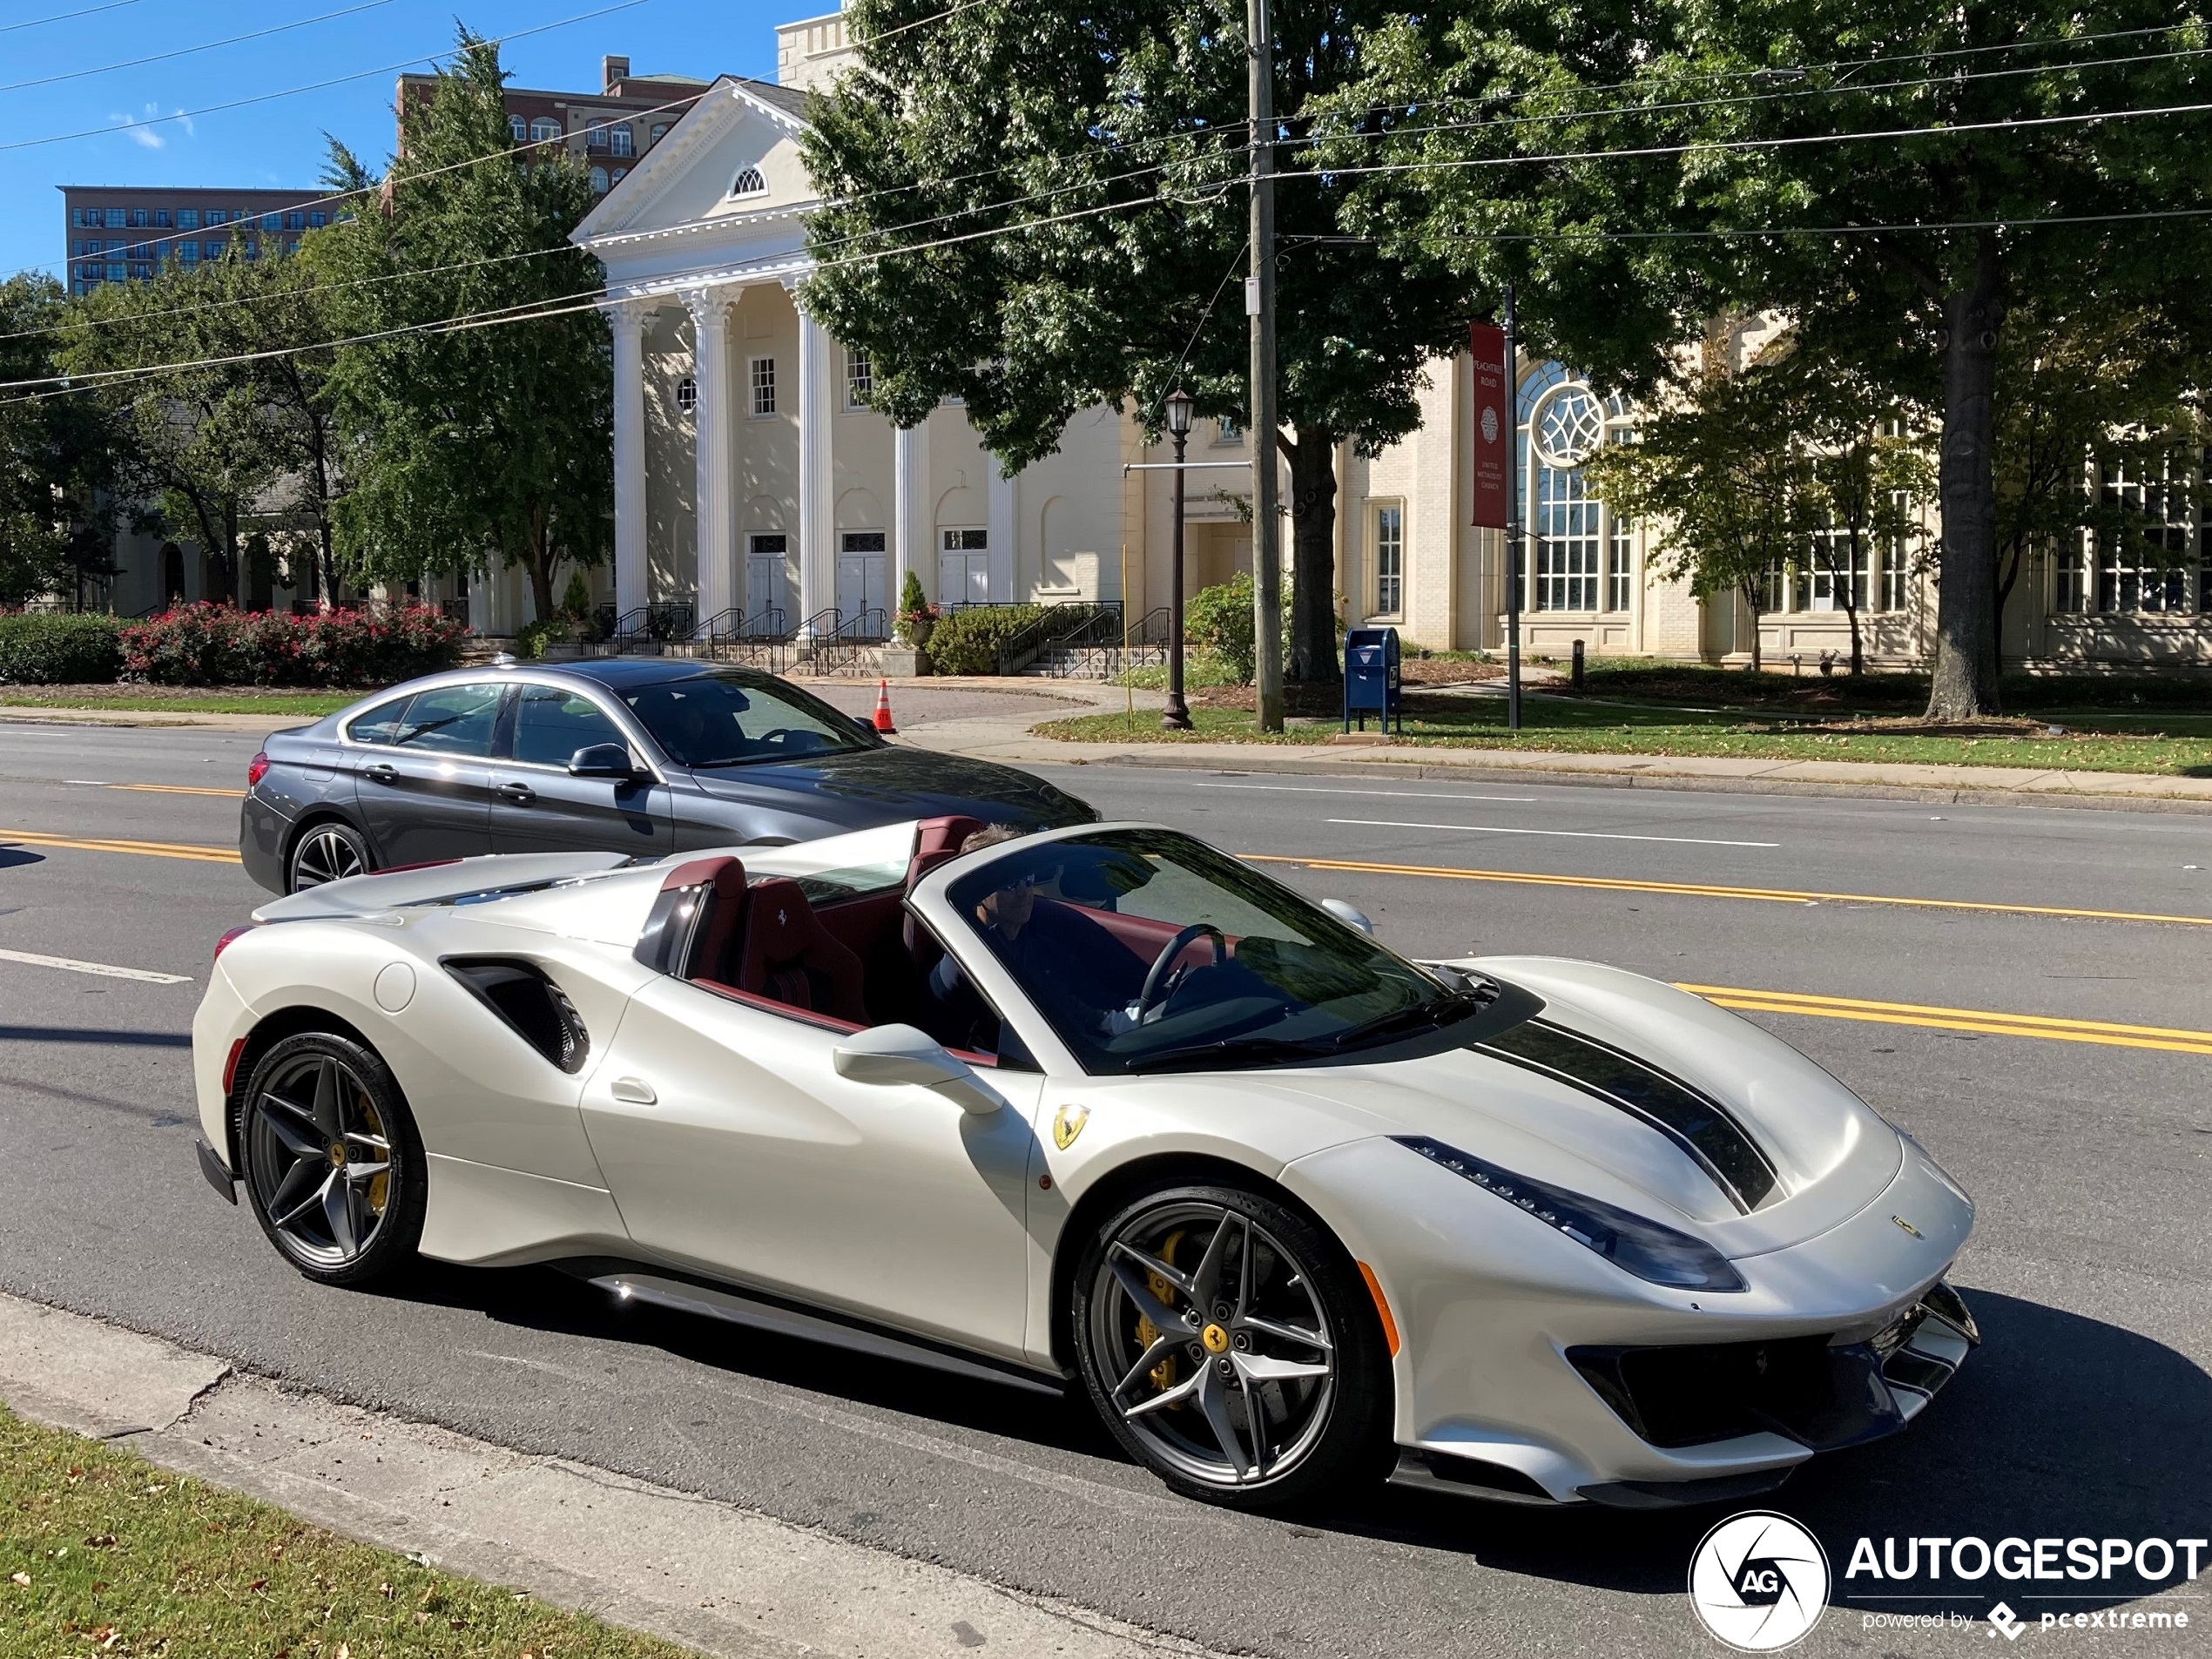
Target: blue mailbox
(1371,677)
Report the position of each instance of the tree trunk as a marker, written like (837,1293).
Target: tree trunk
(1313,557)
(1965,682)
(1750,592)
(1849,589)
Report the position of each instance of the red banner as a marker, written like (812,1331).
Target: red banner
(1490,427)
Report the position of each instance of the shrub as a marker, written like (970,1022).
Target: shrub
(208,644)
(49,647)
(1217,622)
(968,641)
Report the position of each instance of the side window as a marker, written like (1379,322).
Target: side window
(379,725)
(452,720)
(552,724)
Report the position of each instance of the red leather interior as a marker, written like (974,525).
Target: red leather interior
(789,957)
(722,878)
(936,840)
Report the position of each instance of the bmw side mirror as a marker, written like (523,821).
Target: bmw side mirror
(906,1054)
(603,760)
(1351,918)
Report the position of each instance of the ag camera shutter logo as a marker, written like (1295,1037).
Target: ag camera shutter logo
(1759,1582)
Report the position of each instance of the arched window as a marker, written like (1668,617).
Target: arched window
(621,173)
(749,183)
(1580,559)
(598,181)
(659,131)
(687,394)
(544,130)
(619,142)
(518,129)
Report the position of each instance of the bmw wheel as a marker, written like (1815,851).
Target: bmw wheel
(329,852)
(1231,1346)
(331,1158)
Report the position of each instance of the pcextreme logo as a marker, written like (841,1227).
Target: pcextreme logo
(1759,1582)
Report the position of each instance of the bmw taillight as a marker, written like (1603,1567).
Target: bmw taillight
(256,769)
(224,943)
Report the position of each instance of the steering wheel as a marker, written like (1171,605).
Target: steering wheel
(1163,979)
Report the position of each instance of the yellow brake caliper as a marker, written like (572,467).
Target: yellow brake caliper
(1163,1375)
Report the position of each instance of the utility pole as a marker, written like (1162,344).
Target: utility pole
(1513,518)
(1259,304)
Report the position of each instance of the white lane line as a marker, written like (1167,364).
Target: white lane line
(1370,794)
(106,970)
(1578,835)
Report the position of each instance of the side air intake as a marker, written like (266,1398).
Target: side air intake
(534,1007)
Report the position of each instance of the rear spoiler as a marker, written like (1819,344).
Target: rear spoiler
(428,883)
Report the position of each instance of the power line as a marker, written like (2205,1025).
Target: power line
(63,16)
(205,46)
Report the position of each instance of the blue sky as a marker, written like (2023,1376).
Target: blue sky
(279,142)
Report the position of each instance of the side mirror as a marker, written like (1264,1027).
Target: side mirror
(904,1054)
(1351,918)
(603,760)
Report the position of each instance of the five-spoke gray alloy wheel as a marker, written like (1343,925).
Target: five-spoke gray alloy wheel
(1220,1343)
(331,1158)
(327,853)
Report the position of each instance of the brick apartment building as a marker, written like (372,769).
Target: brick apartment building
(121,233)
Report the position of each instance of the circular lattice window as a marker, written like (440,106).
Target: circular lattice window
(687,394)
(1569,424)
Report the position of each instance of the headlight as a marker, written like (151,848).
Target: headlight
(1660,1255)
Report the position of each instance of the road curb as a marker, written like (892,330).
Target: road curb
(716,1577)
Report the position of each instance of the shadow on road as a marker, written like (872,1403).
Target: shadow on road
(95,1034)
(11,856)
(2060,1427)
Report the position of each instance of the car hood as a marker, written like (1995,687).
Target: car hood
(1831,1152)
(869,786)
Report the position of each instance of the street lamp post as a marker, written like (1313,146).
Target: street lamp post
(1177,717)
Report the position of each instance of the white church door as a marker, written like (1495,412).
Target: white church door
(863,579)
(964,567)
(763,586)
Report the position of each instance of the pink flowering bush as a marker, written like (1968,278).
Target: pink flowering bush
(211,645)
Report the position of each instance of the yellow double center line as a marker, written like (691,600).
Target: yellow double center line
(1708,890)
(2107,1031)
(143,849)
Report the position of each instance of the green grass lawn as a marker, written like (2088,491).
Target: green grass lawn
(101,1552)
(2171,744)
(177,700)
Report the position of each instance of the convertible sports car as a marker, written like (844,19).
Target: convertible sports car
(1103,1106)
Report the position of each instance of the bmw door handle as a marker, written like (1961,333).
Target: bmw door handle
(521,793)
(381,773)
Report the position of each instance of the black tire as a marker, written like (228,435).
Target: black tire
(321,1114)
(326,851)
(1194,1428)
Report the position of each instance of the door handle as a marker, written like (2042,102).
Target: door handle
(633,1091)
(521,793)
(382,772)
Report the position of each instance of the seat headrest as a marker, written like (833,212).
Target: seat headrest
(724,874)
(783,922)
(944,835)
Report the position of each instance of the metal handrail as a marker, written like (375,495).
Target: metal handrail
(663,621)
(1071,622)
(867,627)
(1151,628)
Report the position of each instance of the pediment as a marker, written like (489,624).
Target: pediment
(739,132)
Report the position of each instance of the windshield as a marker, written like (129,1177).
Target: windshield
(1148,951)
(724,719)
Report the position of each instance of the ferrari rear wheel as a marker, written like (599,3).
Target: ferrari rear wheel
(1229,1345)
(331,1160)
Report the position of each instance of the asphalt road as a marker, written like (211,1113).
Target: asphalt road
(2084,1415)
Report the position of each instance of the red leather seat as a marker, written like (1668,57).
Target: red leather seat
(936,840)
(789,958)
(721,884)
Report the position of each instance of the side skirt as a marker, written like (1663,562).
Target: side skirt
(663,1287)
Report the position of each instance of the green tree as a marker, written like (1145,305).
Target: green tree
(56,458)
(471,447)
(1094,162)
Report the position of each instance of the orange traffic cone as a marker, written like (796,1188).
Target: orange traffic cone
(883,709)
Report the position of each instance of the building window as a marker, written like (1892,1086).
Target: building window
(1571,562)
(595,136)
(161,217)
(749,182)
(761,376)
(2142,569)
(1390,560)
(214,250)
(598,181)
(1620,566)
(273,221)
(544,130)
(860,379)
(1817,588)
(113,219)
(213,217)
(620,174)
(687,394)
(518,129)
(118,271)
(1896,578)
(619,141)
(139,219)
(1227,431)
(317,220)
(188,253)
(295,221)
(188,218)
(658,131)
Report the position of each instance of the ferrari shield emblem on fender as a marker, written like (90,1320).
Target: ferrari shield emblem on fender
(1066,1123)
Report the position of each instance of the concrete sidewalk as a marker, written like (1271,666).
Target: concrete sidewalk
(717,1578)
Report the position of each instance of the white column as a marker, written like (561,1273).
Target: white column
(715,511)
(817,478)
(632,581)
(1001,511)
(910,511)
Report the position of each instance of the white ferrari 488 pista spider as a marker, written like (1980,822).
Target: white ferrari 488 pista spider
(1104,1108)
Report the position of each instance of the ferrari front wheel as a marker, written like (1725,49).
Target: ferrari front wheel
(332,1161)
(1231,1346)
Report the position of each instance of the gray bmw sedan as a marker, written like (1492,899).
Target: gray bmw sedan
(643,755)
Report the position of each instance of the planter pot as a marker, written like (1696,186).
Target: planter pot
(904,661)
(918,631)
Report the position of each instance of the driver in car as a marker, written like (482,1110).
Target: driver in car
(1058,954)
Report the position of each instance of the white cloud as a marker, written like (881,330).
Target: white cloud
(145,137)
